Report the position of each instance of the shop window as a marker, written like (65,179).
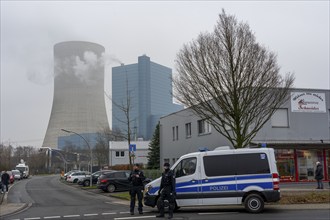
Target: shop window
(306,163)
(328,164)
(280,118)
(285,164)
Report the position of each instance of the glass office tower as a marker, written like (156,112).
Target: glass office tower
(148,88)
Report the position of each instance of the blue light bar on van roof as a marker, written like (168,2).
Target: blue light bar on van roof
(203,149)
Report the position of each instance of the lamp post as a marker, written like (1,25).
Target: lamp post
(91,152)
(50,150)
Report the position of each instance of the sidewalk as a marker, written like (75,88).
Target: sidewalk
(9,208)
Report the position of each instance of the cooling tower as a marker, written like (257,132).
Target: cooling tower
(78,103)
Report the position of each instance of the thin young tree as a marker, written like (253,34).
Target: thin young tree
(126,108)
(230,80)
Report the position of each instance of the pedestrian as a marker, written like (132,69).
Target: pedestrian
(136,179)
(5,181)
(319,175)
(167,191)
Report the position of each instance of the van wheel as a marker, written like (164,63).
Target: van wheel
(254,203)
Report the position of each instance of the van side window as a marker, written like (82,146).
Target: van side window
(256,163)
(185,167)
(219,165)
(239,164)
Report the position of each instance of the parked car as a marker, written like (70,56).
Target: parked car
(86,181)
(75,176)
(115,181)
(11,177)
(68,173)
(16,174)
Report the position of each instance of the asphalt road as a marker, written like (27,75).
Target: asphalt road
(51,199)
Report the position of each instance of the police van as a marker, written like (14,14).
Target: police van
(223,176)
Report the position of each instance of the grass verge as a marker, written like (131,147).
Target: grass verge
(305,197)
(121,195)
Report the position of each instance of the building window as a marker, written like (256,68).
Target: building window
(120,153)
(175,131)
(188,130)
(166,160)
(280,118)
(204,127)
(329,117)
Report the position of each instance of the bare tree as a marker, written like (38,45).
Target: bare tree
(126,108)
(229,79)
(102,146)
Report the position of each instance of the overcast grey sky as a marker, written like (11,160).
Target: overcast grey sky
(298,31)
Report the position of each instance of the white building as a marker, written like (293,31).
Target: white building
(119,152)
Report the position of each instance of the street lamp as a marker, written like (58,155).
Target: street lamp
(91,152)
(50,150)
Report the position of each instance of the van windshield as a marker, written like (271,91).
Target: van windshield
(185,167)
(21,169)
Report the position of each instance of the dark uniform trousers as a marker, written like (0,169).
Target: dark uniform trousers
(167,194)
(136,191)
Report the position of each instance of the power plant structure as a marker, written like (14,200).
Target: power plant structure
(78,103)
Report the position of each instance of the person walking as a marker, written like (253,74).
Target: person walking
(167,191)
(136,179)
(319,175)
(5,181)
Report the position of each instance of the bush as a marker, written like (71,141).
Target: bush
(152,174)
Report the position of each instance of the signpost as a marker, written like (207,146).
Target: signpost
(132,149)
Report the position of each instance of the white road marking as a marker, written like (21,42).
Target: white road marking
(109,213)
(140,217)
(32,218)
(216,213)
(94,214)
(51,217)
(71,216)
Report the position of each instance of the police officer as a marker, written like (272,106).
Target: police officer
(167,191)
(136,179)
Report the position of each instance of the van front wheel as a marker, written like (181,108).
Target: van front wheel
(254,203)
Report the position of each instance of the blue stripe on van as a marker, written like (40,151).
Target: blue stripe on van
(267,185)
(189,186)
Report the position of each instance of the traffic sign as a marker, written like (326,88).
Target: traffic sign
(132,147)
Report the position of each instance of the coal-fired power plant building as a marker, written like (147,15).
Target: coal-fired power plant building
(78,103)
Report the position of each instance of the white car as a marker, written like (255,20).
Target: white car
(75,176)
(17,174)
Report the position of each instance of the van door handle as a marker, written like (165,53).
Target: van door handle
(193,180)
(206,180)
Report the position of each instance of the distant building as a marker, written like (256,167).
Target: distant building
(78,103)
(119,152)
(299,131)
(149,88)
